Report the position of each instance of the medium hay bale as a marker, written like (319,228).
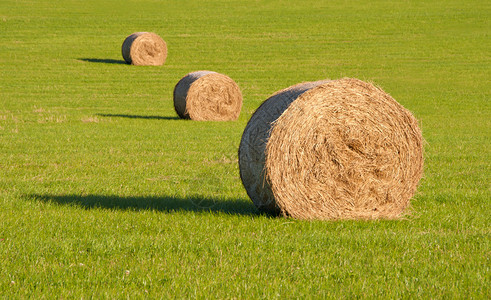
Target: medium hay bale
(340,149)
(207,96)
(144,49)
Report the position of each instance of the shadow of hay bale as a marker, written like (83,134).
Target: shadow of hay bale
(167,204)
(138,117)
(104,61)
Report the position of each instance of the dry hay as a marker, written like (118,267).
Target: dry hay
(340,149)
(144,49)
(207,96)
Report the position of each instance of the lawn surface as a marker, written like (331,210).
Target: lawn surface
(105,193)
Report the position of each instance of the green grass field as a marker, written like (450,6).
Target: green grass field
(105,193)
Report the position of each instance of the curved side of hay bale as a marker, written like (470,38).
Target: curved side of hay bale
(207,96)
(181,92)
(144,49)
(126,47)
(253,145)
(343,149)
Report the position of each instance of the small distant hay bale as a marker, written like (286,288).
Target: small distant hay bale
(144,49)
(340,149)
(207,96)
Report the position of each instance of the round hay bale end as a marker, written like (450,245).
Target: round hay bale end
(207,96)
(144,49)
(339,149)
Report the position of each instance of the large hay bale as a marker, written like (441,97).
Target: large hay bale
(144,49)
(340,149)
(207,96)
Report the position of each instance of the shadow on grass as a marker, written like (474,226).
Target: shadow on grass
(104,61)
(167,204)
(138,117)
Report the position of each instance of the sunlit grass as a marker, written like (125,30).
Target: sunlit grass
(104,192)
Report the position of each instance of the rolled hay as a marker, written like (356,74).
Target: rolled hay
(339,149)
(144,49)
(207,96)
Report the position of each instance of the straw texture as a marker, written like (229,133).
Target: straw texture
(144,49)
(341,149)
(207,96)
(253,145)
